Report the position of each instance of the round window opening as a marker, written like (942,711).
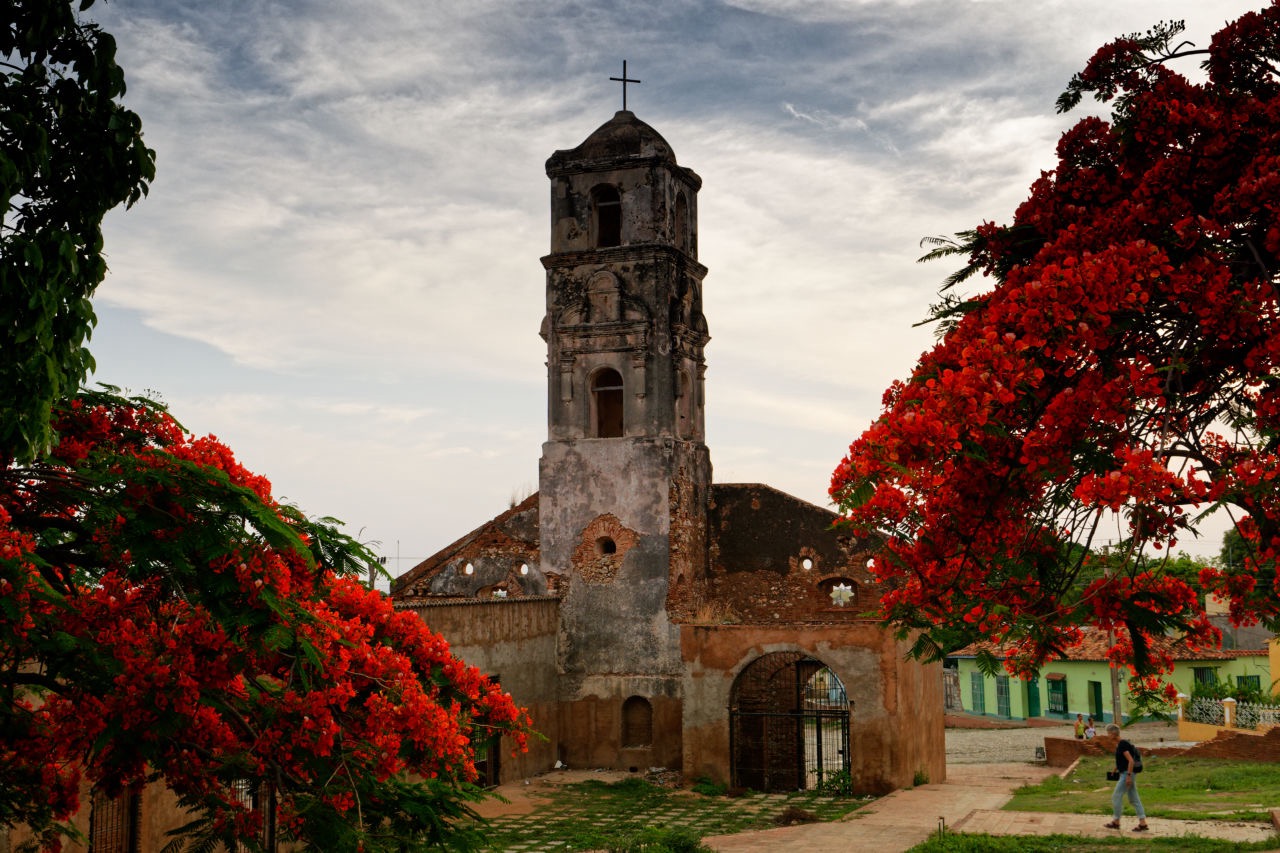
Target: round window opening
(606,546)
(806,563)
(524,568)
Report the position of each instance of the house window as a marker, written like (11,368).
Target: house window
(607,207)
(1249,682)
(1002,696)
(1206,675)
(979,691)
(606,392)
(1057,694)
(637,722)
(113,823)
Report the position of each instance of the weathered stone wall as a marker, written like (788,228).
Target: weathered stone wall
(514,640)
(637,310)
(896,726)
(591,727)
(613,621)
(773,558)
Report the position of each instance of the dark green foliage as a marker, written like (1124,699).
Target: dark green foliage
(1222,690)
(654,839)
(69,152)
(703,785)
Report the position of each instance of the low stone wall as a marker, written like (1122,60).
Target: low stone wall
(1230,744)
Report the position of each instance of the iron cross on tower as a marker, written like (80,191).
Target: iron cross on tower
(624,80)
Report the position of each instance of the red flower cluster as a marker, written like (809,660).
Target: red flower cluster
(1118,377)
(163,618)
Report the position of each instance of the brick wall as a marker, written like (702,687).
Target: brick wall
(1230,745)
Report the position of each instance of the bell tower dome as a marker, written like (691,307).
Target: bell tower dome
(624,325)
(625,475)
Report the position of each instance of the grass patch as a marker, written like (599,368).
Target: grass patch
(1170,786)
(634,816)
(962,843)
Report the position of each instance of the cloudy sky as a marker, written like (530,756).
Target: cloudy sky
(337,269)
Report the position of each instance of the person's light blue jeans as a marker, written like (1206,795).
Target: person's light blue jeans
(1117,798)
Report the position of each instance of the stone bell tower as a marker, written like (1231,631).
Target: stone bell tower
(624,479)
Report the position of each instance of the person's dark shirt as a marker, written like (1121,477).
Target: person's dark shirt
(1122,763)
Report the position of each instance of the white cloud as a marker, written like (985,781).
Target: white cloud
(337,270)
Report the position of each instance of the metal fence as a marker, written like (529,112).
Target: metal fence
(1206,711)
(1252,716)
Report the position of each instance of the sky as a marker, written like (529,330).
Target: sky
(337,269)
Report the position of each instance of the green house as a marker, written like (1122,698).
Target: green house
(1080,683)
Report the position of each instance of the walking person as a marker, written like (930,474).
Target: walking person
(1127,766)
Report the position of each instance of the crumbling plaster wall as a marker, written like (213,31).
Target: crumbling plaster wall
(616,639)
(896,728)
(514,640)
(614,620)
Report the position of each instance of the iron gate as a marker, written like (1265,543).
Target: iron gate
(789,726)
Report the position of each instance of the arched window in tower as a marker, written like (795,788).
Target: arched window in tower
(637,722)
(606,397)
(607,212)
(682,223)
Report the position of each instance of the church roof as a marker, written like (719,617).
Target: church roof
(621,139)
(514,533)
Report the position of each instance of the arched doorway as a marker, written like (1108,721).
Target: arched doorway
(788,725)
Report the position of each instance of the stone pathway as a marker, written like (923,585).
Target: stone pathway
(899,821)
(969,801)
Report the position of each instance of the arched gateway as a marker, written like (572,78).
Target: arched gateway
(788,725)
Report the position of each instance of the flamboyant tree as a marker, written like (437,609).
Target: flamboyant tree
(1120,379)
(162,618)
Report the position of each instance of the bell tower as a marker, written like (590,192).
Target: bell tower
(624,479)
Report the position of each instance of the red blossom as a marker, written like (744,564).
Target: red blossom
(1119,376)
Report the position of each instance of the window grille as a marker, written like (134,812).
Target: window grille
(1058,696)
(1002,696)
(113,823)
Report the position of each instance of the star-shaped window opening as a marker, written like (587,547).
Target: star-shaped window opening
(841,594)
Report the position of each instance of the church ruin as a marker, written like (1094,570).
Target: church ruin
(647,616)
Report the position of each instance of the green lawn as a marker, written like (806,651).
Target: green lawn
(1172,787)
(960,843)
